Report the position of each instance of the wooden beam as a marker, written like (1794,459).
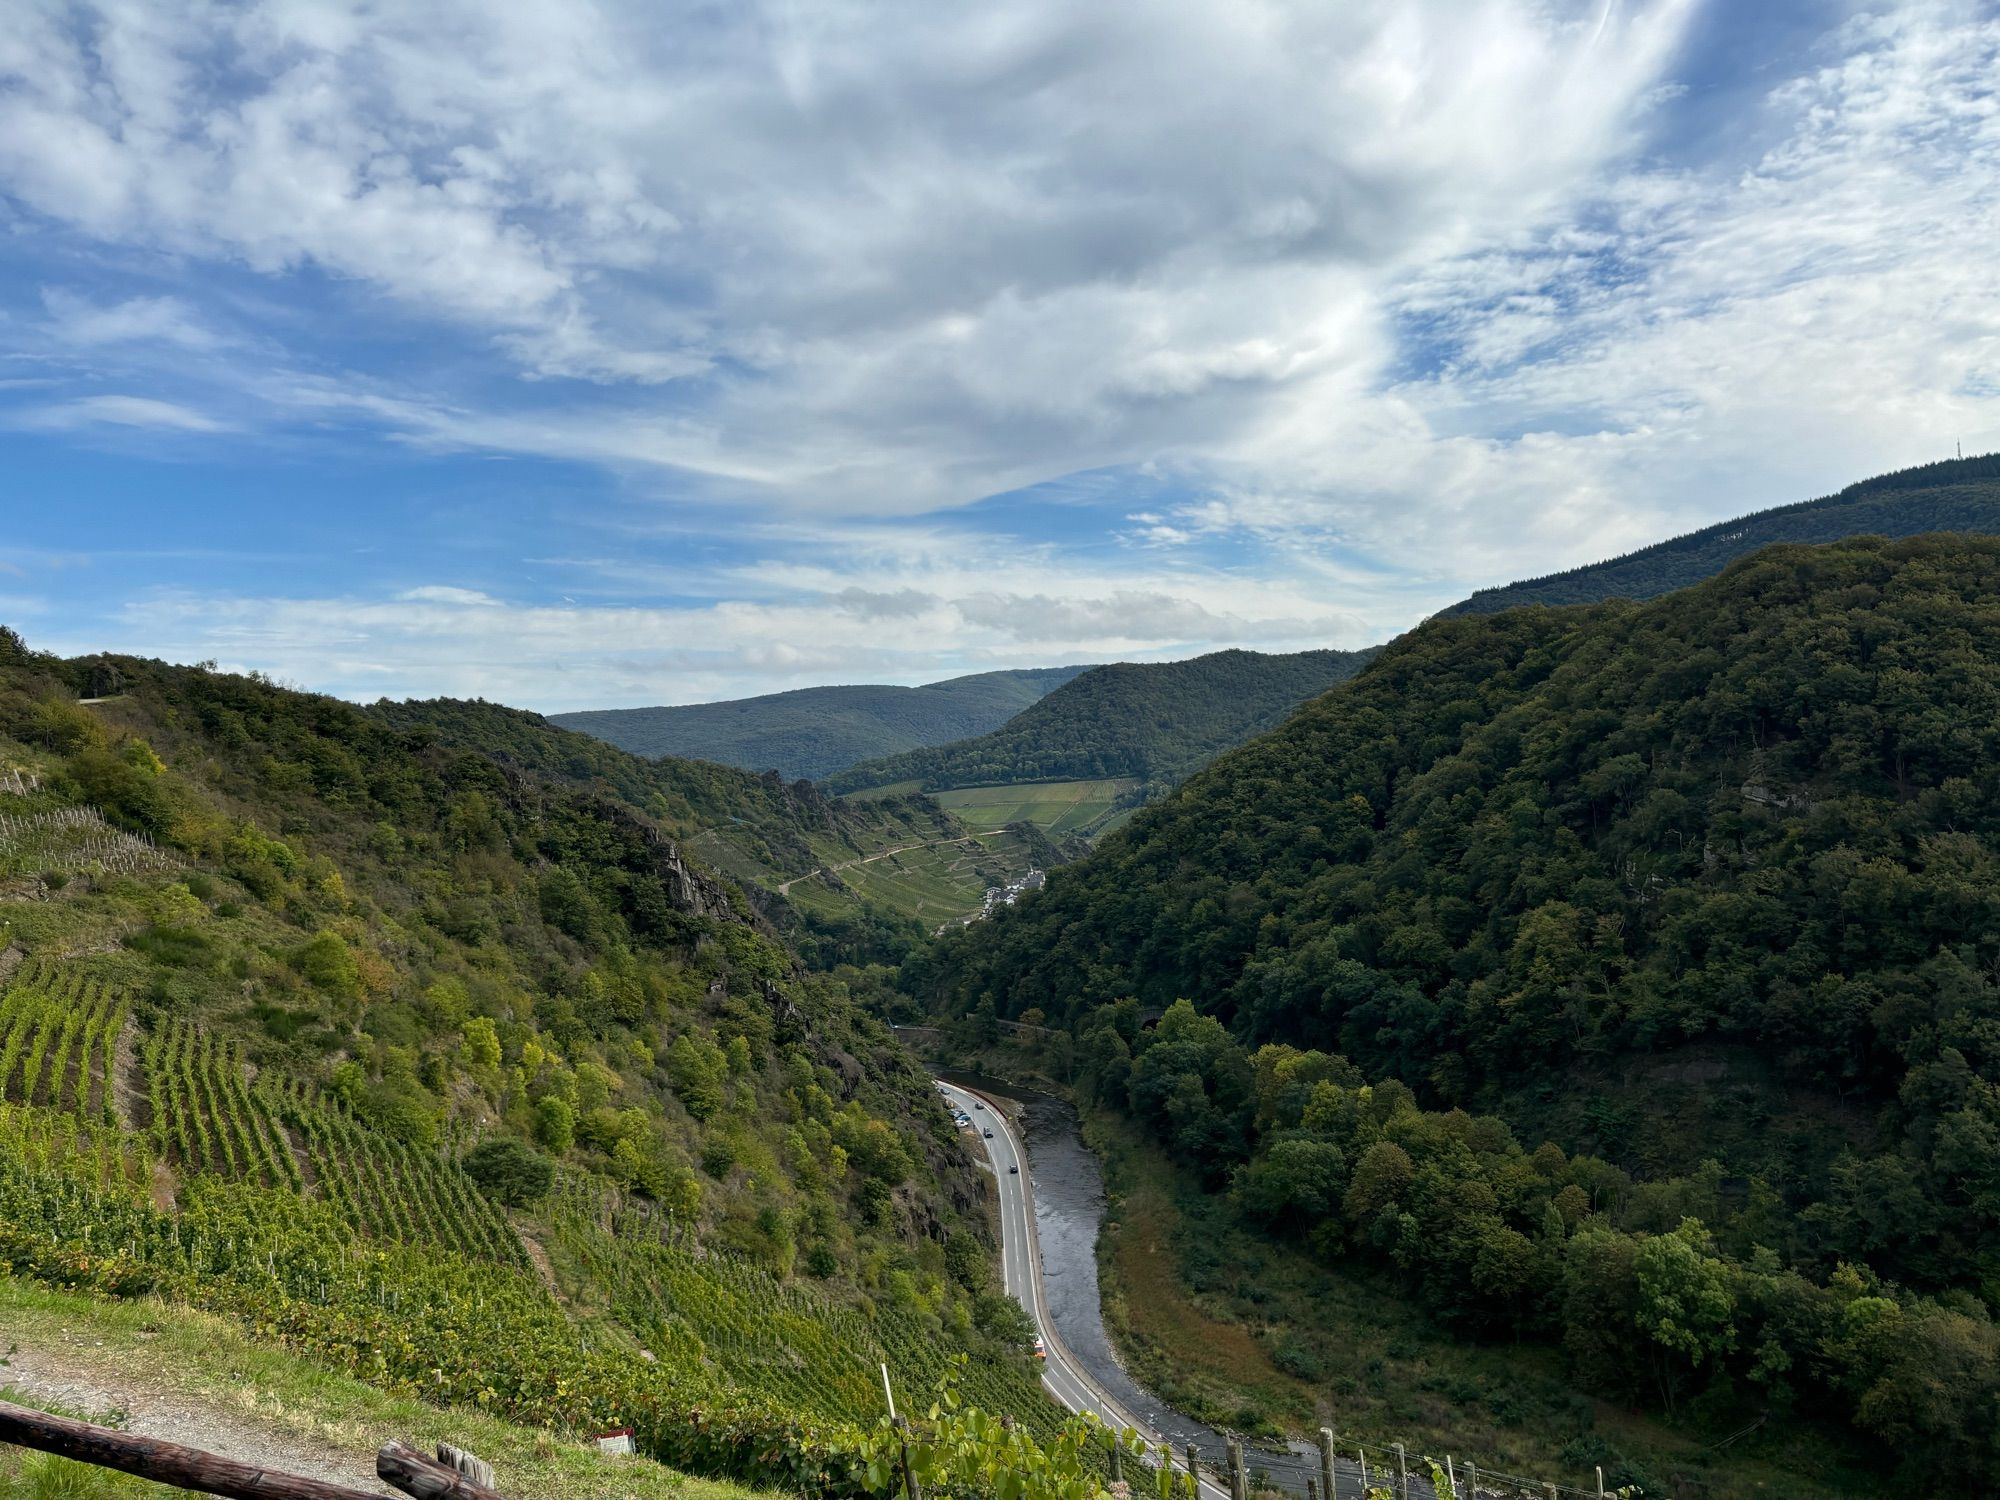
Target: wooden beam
(164,1462)
(414,1474)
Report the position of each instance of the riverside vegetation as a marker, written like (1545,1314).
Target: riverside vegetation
(418,1048)
(1622,978)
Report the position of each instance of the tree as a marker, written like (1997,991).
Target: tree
(555,1123)
(1295,1184)
(697,1068)
(1686,1304)
(509,1171)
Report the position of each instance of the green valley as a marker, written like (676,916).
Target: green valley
(1613,978)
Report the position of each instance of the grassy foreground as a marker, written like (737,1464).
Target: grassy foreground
(210,1361)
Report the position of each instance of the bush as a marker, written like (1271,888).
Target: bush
(509,1171)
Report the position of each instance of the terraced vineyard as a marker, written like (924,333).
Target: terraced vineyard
(58,1042)
(204,1117)
(741,1373)
(781,1340)
(207,1117)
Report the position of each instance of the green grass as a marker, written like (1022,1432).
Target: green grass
(934,884)
(1056,807)
(931,874)
(200,1358)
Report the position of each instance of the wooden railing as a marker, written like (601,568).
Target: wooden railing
(212,1474)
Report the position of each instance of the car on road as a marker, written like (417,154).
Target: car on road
(989,1135)
(1014,1171)
(1041,1350)
(977,1105)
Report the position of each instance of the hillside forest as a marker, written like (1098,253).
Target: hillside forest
(1624,977)
(1150,721)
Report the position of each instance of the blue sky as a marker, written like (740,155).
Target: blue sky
(578,354)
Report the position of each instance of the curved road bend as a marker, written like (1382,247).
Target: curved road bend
(1065,1376)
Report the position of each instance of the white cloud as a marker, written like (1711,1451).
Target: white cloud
(117,411)
(905,255)
(844,613)
(1406,297)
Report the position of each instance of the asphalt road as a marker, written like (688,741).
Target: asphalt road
(1063,1376)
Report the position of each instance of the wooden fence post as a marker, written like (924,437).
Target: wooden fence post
(154,1458)
(1312,1487)
(1117,1459)
(903,1443)
(414,1474)
(1326,1463)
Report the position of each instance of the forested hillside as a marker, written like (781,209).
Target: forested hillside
(1702,892)
(414,1039)
(1955,495)
(1154,721)
(815,866)
(814,732)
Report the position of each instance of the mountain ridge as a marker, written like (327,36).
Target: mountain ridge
(809,733)
(1151,721)
(1965,497)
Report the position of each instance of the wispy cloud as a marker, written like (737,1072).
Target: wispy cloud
(1305,319)
(117,411)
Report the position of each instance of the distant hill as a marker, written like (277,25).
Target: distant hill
(1955,495)
(813,732)
(1155,721)
(843,881)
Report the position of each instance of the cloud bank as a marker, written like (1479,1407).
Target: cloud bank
(1322,314)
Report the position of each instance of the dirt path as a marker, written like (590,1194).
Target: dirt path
(85,1377)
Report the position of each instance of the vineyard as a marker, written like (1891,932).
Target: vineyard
(58,1042)
(783,1342)
(415,1319)
(385,1261)
(75,841)
(208,1118)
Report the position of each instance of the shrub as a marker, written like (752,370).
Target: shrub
(509,1171)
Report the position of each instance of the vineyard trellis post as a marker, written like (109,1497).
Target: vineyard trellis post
(1402,1471)
(1239,1487)
(1326,1462)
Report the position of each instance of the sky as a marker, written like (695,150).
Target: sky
(578,353)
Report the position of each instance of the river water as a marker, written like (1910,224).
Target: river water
(1069,1212)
